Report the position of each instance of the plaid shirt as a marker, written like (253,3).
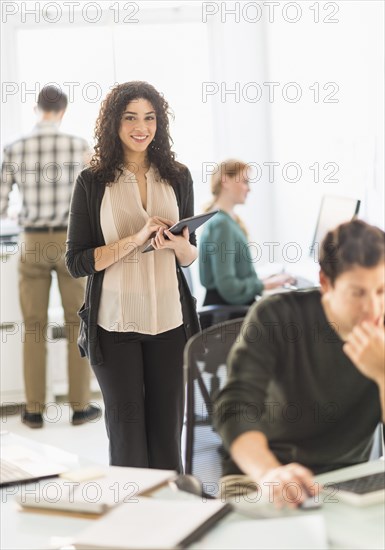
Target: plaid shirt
(45,166)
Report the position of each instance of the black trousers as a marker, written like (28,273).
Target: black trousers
(141,380)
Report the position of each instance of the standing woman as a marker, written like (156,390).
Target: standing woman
(225,269)
(138,310)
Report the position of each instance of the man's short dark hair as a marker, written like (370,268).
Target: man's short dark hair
(51,98)
(354,243)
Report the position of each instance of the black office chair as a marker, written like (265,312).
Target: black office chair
(212,315)
(205,358)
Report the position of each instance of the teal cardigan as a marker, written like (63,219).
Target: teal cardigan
(225,263)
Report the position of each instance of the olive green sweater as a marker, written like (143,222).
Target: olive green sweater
(225,262)
(290,379)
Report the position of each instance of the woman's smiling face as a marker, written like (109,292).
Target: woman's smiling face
(137,126)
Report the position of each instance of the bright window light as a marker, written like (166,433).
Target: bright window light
(86,62)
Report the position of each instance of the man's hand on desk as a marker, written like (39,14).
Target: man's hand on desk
(289,485)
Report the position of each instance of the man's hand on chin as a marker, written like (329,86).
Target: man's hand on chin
(365,346)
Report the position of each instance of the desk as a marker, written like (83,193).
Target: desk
(25,530)
(352,526)
(347,526)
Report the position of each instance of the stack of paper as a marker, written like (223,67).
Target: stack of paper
(302,532)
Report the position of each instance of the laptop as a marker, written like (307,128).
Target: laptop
(19,464)
(333,211)
(359,491)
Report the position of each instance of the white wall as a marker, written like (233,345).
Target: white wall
(242,127)
(243,53)
(221,125)
(348,133)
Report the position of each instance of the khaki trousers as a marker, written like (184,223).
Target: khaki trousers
(40,254)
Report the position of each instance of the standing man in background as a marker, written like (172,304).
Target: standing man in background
(45,165)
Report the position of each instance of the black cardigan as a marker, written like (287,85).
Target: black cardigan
(85,234)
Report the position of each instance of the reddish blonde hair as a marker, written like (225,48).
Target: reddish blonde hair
(231,168)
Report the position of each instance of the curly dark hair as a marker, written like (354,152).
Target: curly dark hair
(109,155)
(351,243)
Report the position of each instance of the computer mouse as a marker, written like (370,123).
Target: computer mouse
(310,504)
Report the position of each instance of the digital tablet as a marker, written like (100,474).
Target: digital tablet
(192,223)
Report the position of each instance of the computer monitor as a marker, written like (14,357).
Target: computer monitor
(333,211)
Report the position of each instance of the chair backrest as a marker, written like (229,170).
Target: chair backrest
(378,443)
(212,315)
(205,367)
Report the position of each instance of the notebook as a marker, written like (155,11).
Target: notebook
(19,464)
(152,523)
(113,485)
(301,532)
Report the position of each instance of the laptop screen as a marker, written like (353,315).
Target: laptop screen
(333,211)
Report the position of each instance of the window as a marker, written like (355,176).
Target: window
(86,61)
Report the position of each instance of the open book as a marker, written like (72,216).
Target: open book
(152,524)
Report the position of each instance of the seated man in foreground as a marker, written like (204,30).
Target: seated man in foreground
(306,378)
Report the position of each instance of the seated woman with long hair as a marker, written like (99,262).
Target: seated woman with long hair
(225,267)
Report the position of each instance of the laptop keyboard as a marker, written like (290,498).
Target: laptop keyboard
(10,472)
(362,485)
(301,283)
